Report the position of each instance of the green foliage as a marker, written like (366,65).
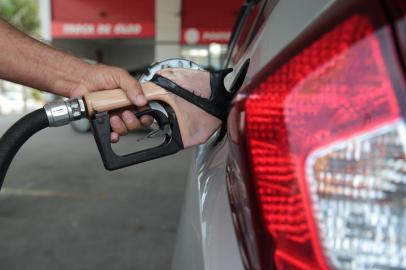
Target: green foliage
(21,13)
(36,95)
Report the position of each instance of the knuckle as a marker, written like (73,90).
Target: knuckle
(120,74)
(123,74)
(147,120)
(133,124)
(118,70)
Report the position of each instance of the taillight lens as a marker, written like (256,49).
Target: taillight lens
(326,145)
(358,188)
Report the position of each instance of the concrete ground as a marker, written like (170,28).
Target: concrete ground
(60,209)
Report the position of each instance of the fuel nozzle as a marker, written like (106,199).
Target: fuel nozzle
(187,102)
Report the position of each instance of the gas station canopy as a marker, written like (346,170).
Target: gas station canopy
(208,21)
(202,22)
(93,19)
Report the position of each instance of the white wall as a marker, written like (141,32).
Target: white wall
(45,19)
(167,27)
(128,54)
(130,57)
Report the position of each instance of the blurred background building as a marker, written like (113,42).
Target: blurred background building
(127,33)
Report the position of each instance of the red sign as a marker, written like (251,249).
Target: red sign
(103,19)
(102,30)
(208,21)
(205,36)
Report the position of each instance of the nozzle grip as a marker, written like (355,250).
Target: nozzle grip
(107,100)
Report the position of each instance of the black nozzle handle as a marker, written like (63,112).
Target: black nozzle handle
(101,131)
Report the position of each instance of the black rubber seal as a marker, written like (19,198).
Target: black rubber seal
(219,101)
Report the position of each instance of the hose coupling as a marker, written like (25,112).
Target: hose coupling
(63,112)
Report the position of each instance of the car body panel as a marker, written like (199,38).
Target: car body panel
(206,236)
(205,213)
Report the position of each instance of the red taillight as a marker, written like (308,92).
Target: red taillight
(320,130)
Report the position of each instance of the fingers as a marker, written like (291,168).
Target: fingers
(117,125)
(132,88)
(136,95)
(114,137)
(146,120)
(123,122)
(131,122)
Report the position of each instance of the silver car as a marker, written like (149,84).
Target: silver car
(311,171)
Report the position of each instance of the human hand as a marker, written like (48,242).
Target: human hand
(101,77)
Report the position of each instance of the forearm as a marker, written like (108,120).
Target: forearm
(27,61)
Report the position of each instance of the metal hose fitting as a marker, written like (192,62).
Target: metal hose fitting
(63,112)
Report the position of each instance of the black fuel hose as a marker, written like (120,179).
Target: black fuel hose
(17,135)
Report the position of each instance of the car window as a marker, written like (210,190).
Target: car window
(247,26)
(266,10)
(246,30)
(243,15)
